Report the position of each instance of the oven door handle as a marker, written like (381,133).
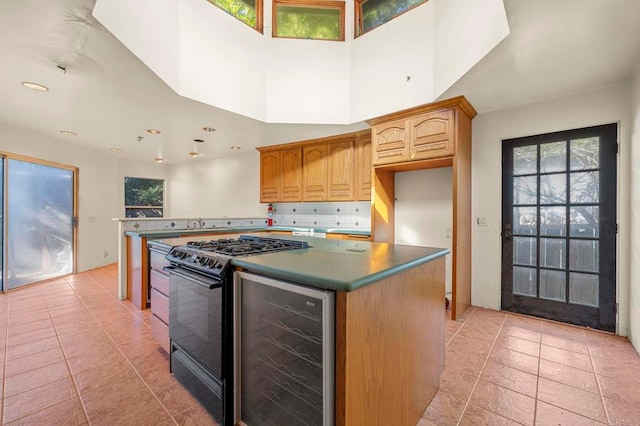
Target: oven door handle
(202,280)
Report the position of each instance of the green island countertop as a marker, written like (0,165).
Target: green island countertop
(341,265)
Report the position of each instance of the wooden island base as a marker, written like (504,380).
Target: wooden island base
(390,347)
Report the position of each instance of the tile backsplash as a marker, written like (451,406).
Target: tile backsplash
(347,215)
(350,215)
(168,224)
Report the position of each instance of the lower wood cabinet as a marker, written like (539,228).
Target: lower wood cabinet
(159,283)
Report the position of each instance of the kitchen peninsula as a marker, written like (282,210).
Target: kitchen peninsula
(389,320)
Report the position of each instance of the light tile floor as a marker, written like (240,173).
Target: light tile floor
(72,353)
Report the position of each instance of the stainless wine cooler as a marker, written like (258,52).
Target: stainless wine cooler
(284,350)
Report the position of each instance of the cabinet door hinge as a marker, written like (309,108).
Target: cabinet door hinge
(617,228)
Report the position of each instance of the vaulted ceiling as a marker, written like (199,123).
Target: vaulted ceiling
(105,94)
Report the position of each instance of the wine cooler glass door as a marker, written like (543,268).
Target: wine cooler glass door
(284,352)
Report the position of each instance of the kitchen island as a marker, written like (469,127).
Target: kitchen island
(133,263)
(389,320)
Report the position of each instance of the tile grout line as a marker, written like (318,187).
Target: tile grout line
(535,401)
(120,350)
(604,405)
(75,384)
(486,360)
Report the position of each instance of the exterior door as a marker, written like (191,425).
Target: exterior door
(40,214)
(559,226)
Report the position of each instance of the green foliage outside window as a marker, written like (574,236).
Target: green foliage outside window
(143,197)
(306,22)
(378,12)
(243,10)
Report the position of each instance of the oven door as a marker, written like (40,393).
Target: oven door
(195,309)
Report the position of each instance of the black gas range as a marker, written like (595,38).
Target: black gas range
(212,258)
(201,315)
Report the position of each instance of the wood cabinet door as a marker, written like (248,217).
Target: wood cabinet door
(432,135)
(269,177)
(340,171)
(314,173)
(291,175)
(391,142)
(363,169)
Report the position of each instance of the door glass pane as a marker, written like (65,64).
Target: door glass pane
(553,157)
(585,153)
(553,189)
(585,221)
(40,213)
(524,220)
(525,160)
(524,251)
(583,289)
(553,221)
(583,255)
(585,187)
(553,252)
(524,281)
(552,285)
(525,190)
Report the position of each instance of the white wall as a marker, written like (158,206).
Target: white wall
(382,59)
(424,210)
(225,187)
(465,31)
(634,278)
(600,106)
(98,190)
(212,57)
(221,59)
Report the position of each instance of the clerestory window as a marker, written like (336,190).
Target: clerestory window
(315,20)
(248,11)
(373,13)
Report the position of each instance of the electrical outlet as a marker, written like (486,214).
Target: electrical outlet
(106,254)
(448,233)
(481,221)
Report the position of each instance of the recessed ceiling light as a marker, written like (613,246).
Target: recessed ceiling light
(199,140)
(235,147)
(159,160)
(208,129)
(153,131)
(68,133)
(35,86)
(194,154)
(116,150)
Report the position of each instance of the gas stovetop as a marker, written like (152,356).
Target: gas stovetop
(213,257)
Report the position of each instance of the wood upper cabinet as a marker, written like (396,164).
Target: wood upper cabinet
(391,142)
(281,175)
(419,137)
(362,152)
(340,176)
(314,172)
(336,168)
(269,176)
(291,175)
(431,135)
